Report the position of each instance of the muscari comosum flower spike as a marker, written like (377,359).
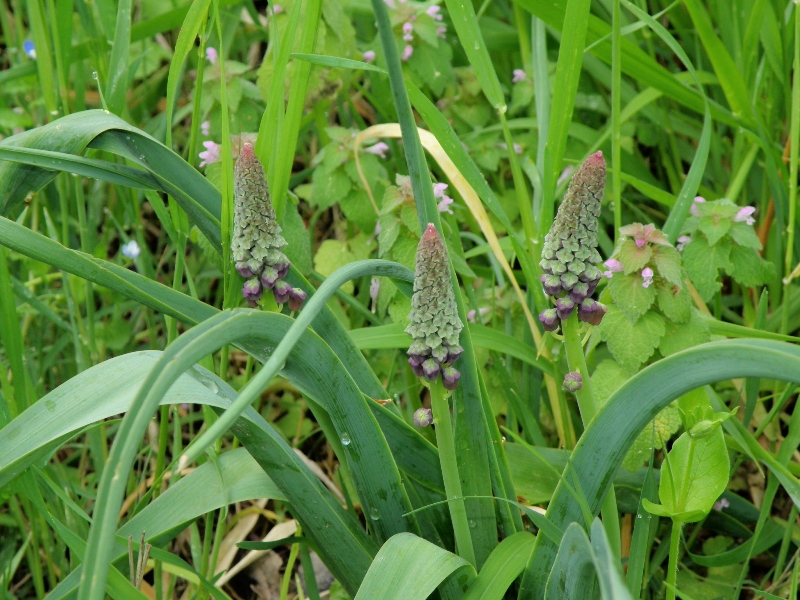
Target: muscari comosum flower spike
(569,254)
(434,323)
(257,244)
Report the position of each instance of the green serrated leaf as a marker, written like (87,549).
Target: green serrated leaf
(744,235)
(748,268)
(631,344)
(702,262)
(632,257)
(331,255)
(681,336)
(607,379)
(668,264)
(392,198)
(714,227)
(399,309)
(329,187)
(408,214)
(630,296)
(405,251)
(674,302)
(390,229)
(656,434)
(358,209)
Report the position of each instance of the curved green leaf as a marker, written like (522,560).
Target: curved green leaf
(409,568)
(572,575)
(608,437)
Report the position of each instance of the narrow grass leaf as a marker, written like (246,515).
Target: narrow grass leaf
(503,566)
(117,84)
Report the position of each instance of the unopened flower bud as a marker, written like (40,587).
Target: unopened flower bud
(281,291)
(431,369)
(564,307)
(590,311)
(252,290)
(423,417)
(549,319)
(268,278)
(450,377)
(296,299)
(573,381)
(552,284)
(579,292)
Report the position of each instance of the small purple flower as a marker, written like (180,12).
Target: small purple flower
(721,503)
(640,242)
(434,13)
(694,211)
(407,52)
(564,307)
(682,241)
(211,154)
(205,128)
(252,291)
(212,55)
(268,277)
(473,317)
(379,149)
(423,417)
(591,311)
(369,56)
(438,190)
(281,291)
(441,31)
(374,290)
(745,215)
(277,9)
(296,299)
(519,75)
(29,49)
(390,3)
(131,249)
(444,205)
(647,275)
(612,266)
(445,201)
(450,377)
(549,319)
(579,292)
(573,381)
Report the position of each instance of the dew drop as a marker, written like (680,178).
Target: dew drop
(50,405)
(94,75)
(54,112)
(472,523)
(373,514)
(477,46)
(638,516)
(346,439)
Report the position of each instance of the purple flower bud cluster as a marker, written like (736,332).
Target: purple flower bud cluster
(573,381)
(257,244)
(434,322)
(569,254)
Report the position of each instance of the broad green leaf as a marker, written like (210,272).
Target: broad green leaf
(631,344)
(630,295)
(607,379)
(607,566)
(680,336)
(748,268)
(410,568)
(605,442)
(573,572)
(694,474)
(503,566)
(703,262)
(714,227)
(744,235)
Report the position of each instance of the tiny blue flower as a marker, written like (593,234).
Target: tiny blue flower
(131,249)
(29,48)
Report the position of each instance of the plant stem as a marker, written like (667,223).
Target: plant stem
(674,549)
(577,362)
(452,481)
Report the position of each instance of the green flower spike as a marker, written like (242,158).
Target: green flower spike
(435,325)
(569,254)
(257,244)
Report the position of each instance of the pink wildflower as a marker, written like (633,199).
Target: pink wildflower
(378,149)
(440,31)
(369,56)
(205,127)
(433,13)
(721,503)
(212,55)
(408,31)
(277,9)
(390,3)
(444,205)
(407,52)
(612,266)
(211,154)
(647,275)
(438,189)
(519,75)
(745,214)
(682,241)
(694,210)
